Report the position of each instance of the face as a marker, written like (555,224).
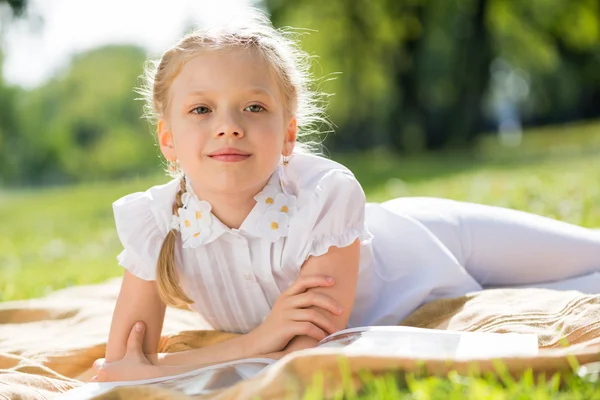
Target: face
(227,123)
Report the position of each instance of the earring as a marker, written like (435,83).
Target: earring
(173,166)
(286,161)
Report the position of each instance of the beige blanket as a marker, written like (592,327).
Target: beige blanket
(47,345)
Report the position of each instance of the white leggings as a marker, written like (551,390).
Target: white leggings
(504,247)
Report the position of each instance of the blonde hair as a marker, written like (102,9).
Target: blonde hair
(290,66)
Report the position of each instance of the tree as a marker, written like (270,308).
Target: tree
(558,45)
(416,74)
(85,123)
(8,127)
(408,68)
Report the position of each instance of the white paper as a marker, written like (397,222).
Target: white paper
(400,341)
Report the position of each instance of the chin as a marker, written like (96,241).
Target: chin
(233,184)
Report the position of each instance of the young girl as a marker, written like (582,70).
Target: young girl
(263,239)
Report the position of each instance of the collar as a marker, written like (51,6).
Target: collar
(268,219)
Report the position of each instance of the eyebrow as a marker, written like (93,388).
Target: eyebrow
(259,90)
(253,90)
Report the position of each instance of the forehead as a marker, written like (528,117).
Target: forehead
(225,70)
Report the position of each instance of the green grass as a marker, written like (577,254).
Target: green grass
(400,386)
(53,238)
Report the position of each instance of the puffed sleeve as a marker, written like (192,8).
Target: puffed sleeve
(142,228)
(335,214)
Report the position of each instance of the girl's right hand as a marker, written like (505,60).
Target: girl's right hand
(292,317)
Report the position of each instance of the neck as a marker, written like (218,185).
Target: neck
(230,208)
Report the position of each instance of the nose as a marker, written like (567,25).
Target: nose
(229,126)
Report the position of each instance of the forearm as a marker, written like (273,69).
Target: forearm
(342,265)
(296,344)
(169,364)
(300,343)
(232,349)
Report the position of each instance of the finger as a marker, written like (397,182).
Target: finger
(316,318)
(312,299)
(99,363)
(303,283)
(101,376)
(136,339)
(308,329)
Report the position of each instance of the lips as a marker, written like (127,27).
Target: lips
(229,155)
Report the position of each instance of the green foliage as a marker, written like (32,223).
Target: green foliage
(417,74)
(410,76)
(7,124)
(84,124)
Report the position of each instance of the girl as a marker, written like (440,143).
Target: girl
(264,239)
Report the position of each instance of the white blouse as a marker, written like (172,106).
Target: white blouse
(234,276)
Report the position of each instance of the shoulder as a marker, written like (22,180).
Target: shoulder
(331,206)
(308,175)
(323,186)
(142,220)
(155,203)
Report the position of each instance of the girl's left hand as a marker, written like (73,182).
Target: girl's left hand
(133,366)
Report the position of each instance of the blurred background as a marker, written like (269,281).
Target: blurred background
(491,101)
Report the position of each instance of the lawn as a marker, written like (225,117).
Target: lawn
(55,237)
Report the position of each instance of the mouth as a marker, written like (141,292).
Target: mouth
(229,155)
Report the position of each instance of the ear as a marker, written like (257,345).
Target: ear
(289,140)
(165,140)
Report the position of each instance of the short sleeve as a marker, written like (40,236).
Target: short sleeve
(139,233)
(336,213)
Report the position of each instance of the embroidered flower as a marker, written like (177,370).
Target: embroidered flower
(195,222)
(285,204)
(274,225)
(266,198)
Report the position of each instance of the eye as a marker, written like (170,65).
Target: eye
(254,108)
(201,110)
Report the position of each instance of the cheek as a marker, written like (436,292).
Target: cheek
(272,151)
(189,142)
(273,128)
(270,139)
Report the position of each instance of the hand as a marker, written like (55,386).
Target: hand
(133,366)
(292,317)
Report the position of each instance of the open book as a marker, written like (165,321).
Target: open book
(400,341)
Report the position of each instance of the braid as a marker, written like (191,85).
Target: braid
(166,273)
(178,202)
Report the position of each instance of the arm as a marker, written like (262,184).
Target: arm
(132,355)
(339,263)
(290,317)
(135,365)
(228,350)
(138,300)
(342,265)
